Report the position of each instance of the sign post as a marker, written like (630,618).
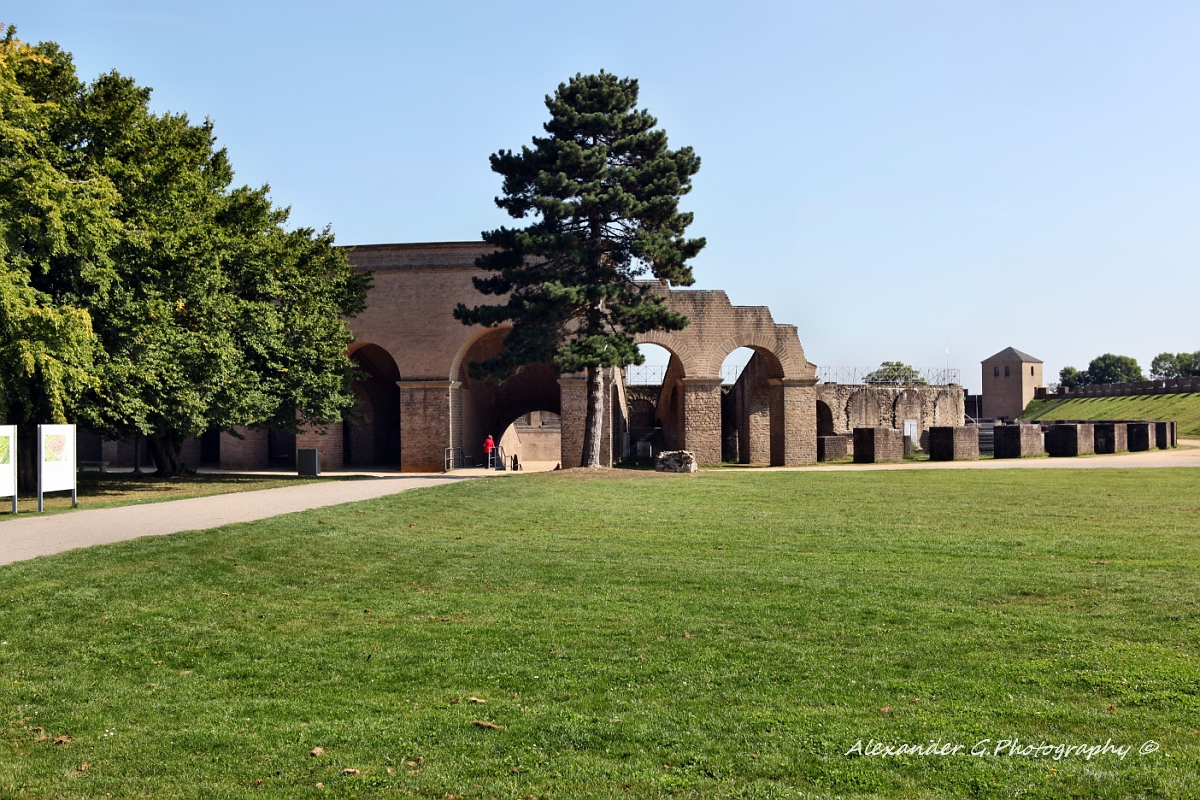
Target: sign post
(8,463)
(56,461)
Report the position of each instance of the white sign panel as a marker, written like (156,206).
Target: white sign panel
(8,460)
(56,458)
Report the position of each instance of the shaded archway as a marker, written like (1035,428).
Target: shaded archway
(489,407)
(371,434)
(824,419)
(757,407)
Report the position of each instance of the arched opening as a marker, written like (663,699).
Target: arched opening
(371,433)
(654,398)
(752,407)
(535,440)
(490,408)
(824,419)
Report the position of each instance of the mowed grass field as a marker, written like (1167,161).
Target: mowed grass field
(726,634)
(1183,408)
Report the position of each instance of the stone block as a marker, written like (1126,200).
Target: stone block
(1111,437)
(676,461)
(832,448)
(1064,441)
(1140,436)
(953,443)
(1017,441)
(1160,434)
(878,445)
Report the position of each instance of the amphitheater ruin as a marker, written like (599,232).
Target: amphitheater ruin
(419,410)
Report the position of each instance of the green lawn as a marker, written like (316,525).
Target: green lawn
(104,490)
(724,634)
(1183,408)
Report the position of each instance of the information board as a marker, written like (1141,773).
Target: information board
(8,463)
(56,460)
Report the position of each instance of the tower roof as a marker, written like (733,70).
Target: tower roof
(1013,354)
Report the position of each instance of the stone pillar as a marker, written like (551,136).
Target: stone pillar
(793,422)
(427,423)
(701,423)
(573,411)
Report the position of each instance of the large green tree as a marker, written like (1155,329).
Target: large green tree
(209,311)
(1175,365)
(1108,368)
(603,188)
(47,213)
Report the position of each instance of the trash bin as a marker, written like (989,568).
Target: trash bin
(308,462)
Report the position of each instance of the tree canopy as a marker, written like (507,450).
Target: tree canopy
(1175,365)
(202,309)
(894,373)
(604,189)
(1107,368)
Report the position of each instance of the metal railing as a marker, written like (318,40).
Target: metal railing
(655,374)
(453,458)
(887,376)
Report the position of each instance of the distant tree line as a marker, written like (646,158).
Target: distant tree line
(141,291)
(1110,368)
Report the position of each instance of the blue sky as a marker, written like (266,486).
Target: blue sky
(891,177)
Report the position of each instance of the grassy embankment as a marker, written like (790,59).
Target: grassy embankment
(1183,408)
(104,490)
(633,635)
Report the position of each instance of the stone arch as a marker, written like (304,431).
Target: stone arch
(371,433)
(909,404)
(488,407)
(945,410)
(864,410)
(676,346)
(778,364)
(825,425)
(459,362)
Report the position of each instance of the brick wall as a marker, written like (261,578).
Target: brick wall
(878,445)
(702,419)
(248,452)
(1111,437)
(1073,439)
(953,443)
(1017,441)
(832,448)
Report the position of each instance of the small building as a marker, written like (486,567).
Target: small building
(1009,380)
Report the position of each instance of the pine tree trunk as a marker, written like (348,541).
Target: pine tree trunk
(594,420)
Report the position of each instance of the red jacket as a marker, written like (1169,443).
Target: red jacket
(489,445)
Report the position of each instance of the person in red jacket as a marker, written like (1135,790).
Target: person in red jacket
(488,447)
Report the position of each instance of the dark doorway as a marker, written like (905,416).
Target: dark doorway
(824,420)
(281,448)
(210,449)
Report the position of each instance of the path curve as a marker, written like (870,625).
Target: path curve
(32,536)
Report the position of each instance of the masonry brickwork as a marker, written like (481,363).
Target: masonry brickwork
(1017,441)
(1141,436)
(1111,437)
(878,445)
(849,407)
(953,443)
(834,448)
(421,401)
(1072,439)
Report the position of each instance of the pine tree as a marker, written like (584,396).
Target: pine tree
(604,189)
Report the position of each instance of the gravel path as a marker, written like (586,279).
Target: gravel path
(31,535)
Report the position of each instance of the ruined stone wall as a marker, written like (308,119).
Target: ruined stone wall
(888,406)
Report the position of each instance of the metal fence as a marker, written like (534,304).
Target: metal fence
(655,374)
(887,376)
